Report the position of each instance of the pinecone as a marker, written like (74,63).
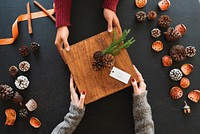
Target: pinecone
(108,61)
(98,56)
(155,33)
(13,70)
(178,53)
(164,21)
(24,51)
(141,16)
(97,65)
(172,34)
(175,74)
(23,113)
(190,51)
(18,98)
(151,15)
(6,92)
(35,47)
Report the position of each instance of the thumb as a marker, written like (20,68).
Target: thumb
(66,44)
(109,26)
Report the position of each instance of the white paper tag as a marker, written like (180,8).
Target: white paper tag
(120,75)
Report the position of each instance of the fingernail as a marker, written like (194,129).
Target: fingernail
(133,80)
(83,92)
(109,30)
(68,48)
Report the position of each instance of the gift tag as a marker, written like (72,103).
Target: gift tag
(120,75)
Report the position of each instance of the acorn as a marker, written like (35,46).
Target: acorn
(184,82)
(187,68)
(186,108)
(157,46)
(18,98)
(167,61)
(176,92)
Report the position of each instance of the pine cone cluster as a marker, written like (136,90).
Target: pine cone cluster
(141,16)
(35,47)
(164,21)
(190,51)
(172,34)
(6,92)
(155,33)
(24,51)
(178,53)
(151,15)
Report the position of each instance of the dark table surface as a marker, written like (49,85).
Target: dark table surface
(49,76)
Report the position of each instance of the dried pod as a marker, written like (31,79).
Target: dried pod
(23,113)
(190,51)
(175,74)
(13,70)
(24,66)
(10,116)
(22,82)
(164,21)
(176,92)
(194,95)
(187,68)
(141,16)
(186,108)
(24,51)
(155,32)
(172,34)
(178,53)
(35,47)
(35,122)
(164,5)
(157,46)
(152,15)
(184,82)
(31,105)
(6,92)
(98,56)
(18,98)
(181,28)
(140,3)
(167,61)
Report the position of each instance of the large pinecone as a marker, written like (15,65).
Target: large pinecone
(97,65)
(24,51)
(172,34)
(6,92)
(190,51)
(178,53)
(164,21)
(98,56)
(108,61)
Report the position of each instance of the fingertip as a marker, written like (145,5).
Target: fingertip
(67,48)
(109,30)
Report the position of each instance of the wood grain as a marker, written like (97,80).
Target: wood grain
(97,84)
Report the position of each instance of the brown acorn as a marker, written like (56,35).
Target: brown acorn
(184,82)
(157,46)
(167,61)
(176,92)
(18,98)
(194,95)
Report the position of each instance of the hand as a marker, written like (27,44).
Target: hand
(142,86)
(74,96)
(62,38)
(112,20)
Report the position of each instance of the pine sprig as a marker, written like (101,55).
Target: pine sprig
(115,47)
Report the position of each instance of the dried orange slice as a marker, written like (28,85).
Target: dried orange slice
(10,117)
(176,92)
(184,82)
(157,46)
(181,28)
(167,61)
(194,95)
(140,3)
(187,68)
(164,5)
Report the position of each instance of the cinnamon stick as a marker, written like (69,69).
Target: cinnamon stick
(29,18)
(43,9)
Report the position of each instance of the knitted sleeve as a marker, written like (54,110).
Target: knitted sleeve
(71,121)
(62,10)
(142,115)
(110,4)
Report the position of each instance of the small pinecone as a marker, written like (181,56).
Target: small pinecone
(35,47)
(18,98)
(151,15)
(6,92)
(108,60)
(190,51)
(141,16)
(98,56)
(97,65)
(172,34)
(23,113)
(13,70)
(175,74)
(24,51)
(155,33)
(178,53)
(164,21)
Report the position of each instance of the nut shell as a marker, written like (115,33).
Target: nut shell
(181,28)
(31,105)
(35,122)
(176,92)
(184,82)
(10,116)
(167,61)
(157,46)
(194,95)
(187,68)
(164,5)
(140,3)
